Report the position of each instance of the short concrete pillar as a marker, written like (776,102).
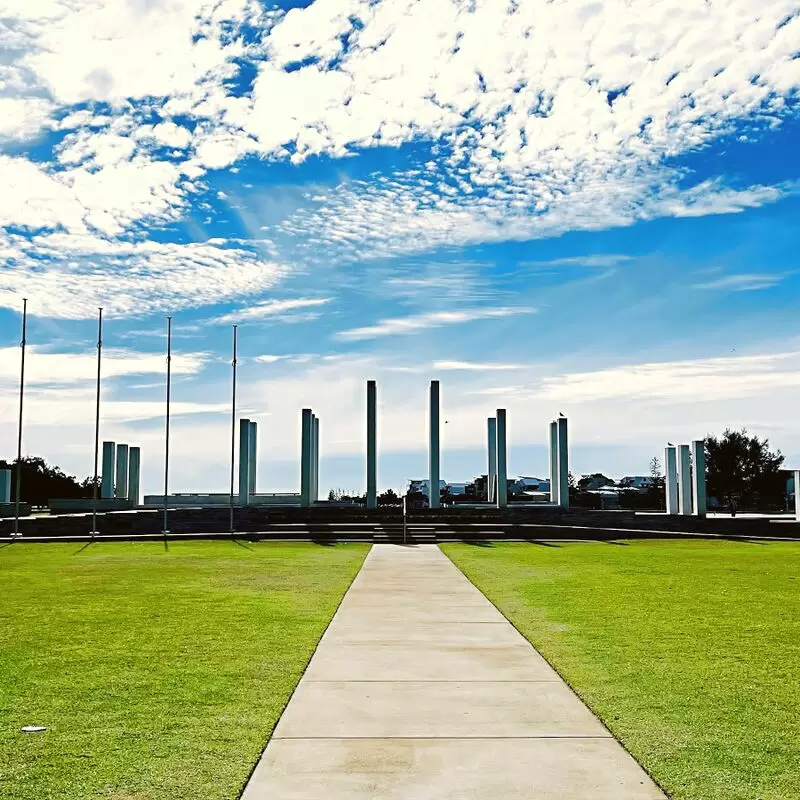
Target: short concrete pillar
(121,486)
(671,479)
(306,472)
(244,462)
(5,485)
(699,477)
(797,495)
(563,462)
(502,465)
(107,483)
(554,481)
(252,458)
(372,444)
(134,470)
(684,480)
(433,447)
(315,462)
(491,475)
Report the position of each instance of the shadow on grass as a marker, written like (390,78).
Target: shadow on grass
(541,542)
(81,549)
(611,541)
(240,543)
(323,541)
(743,540)
(478,542)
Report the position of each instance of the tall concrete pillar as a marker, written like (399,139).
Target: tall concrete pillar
(433,447)
(121,487)
(699,477)
(502,464)
(107,484)
(5,485)
(491,475)
(563,462)
(134,470)
(554,481)
(315,446)
(797,495)
(372,444)
(671,479)
(684,480)
(501,473)
(306,436)
(252,458)
(244,462)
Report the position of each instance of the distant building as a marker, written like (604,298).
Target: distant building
(590,483)
(526,483)
(639,482)
(423,486)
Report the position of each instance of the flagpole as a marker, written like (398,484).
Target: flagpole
(233,426)
(97,420)
(165,530)
(19,429)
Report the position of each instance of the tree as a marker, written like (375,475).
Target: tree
(656,493)
(742,470)
(388,498)
(416,500)
(41,482)
(655,469)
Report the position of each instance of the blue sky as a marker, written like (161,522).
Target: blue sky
(579,207)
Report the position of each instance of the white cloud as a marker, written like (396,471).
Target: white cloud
(114,50)
(121,191)
(601,260)
(433,319)
(742,283)
(23,117)
(547,123)
(536,124)
(270,308)
(476,366)
(270,359)
(687,381)
(46,368)
(137,278)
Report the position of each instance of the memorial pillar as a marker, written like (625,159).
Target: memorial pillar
(107,483)
(134,469)
(244,462)
(433,447)
(502,466)
(491,476)
(671,478)
(372,445)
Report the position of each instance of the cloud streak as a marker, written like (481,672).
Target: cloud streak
(741,283)
(270,308)
(420,322)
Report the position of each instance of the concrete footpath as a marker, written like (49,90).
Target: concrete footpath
(421,690)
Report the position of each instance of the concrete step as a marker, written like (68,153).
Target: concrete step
(421,535)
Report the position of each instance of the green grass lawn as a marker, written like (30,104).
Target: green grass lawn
(158,673)
(689,651)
